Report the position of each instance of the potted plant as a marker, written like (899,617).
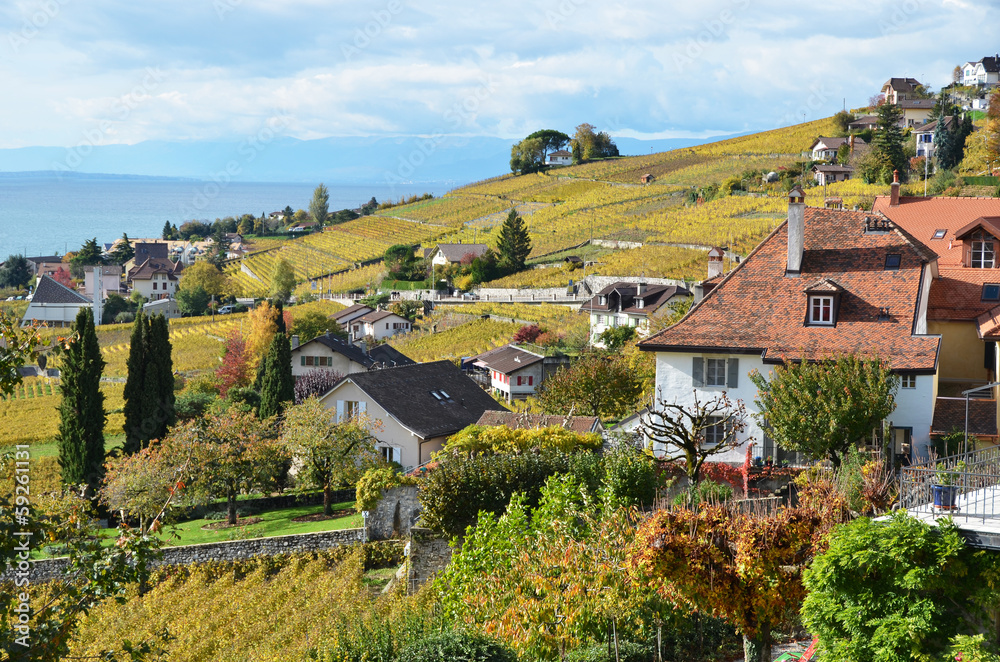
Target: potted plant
(770,461)
(758,462)
(945,486)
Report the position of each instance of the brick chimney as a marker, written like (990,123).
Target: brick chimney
(715,264)
(796,230)
(894,191)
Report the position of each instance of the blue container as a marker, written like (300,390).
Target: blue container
(946,497)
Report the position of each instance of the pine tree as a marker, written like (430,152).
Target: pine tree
(887,144)
(149,391)
(278,385)
(81,412)
(513,244)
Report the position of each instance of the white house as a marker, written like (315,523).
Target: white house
(826,282)
(329,352)
(418,407)
(155,278)
(377,325)
(825,149)
(110,280)
(560,157)
(515,373)
(828,174)
(983,72)
(54,304)
(924,135)
(628,304)
(897,89)
(351,313)
(916,111)
(444,254)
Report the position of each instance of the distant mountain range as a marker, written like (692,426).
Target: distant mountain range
(453,160)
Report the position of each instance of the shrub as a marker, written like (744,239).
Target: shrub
(192,404)
(707,491)
(370,485)
(502,439)
(628,651)
(124,318)
(527,333)
(456,646)
(631,476)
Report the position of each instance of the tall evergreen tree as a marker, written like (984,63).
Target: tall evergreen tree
(81,412)
(887,143)
(149,390)
(122,252)
(319,206)
(513,244)
(278,385)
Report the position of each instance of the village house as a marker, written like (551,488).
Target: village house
(864,122)
(825,149)
(445,254)
(45,265)
(515,373)
(824,283)
(924,135)
(916,111)
(899,89)
(110,280)
(982,73)
(155,278)
(829,174)
(560,157)
(628,304)
(351,313)
(330,352)
(963,304)
(54,304)
(377,325)
(417,406)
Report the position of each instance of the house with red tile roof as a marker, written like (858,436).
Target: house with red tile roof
(826,282)
(515,373)
(964,299)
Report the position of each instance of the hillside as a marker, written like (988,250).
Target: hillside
(566,207)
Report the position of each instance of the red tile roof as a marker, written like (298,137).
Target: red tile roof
(756,309)
(949,415)
(988,324)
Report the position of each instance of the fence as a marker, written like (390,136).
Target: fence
(971,482)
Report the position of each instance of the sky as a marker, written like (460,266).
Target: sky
(94,72)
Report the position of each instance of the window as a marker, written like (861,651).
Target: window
(603,301)
(892,261)
(600,319)
(991,292)
(309,360)
(638,303)
(908,381)
(347,409)
(715,372)
(390,454)
(715,433)
(939,234)
(821,310)
(983,256)
(154,284)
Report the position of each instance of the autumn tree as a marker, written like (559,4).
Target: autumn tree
(63,277)
(694,433)
(597,384)
(823,408)
(513,243)
(207,276)
(742,567)
(587,144)
(230,454)
(81,411)
(138,485)
(235,371)
(332,453)
(263,324)
(319,206)
(527,156)
(314,324)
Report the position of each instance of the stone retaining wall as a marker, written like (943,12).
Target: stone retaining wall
(395,514)
(428,553)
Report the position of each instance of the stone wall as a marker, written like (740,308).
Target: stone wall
(48,569)
(395,515)
(428,554)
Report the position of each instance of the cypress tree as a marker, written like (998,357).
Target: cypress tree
(135,383)
(277,385)
(81,412)
(513,244)
(149,391)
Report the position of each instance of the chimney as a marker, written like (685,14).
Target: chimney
(641,288)
(796,230)
(894,193)
(850,141)
(295,341)
(715,262)
(364,347)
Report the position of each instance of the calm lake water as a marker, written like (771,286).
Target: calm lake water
(43,215)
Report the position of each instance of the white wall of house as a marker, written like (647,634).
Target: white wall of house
(530,378)
(317,356)
(111,283)
(674,383)
(53,314)
(158,287)
(600,322)
(383,328)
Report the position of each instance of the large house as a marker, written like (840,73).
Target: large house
(963,302)
(330,352)
(54,304)
(924,135)
(824,283)
(377,325)
(628,304)
(155,278)
(418,407)
(515,373)
(898,89)
(984,72)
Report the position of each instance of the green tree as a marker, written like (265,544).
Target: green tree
(122,251)
(319,206)
(527,156)
(587,144)
(843,118)
(513,243)
(81,411)
(282,280)
(822,409)
(313,324)
(90,254)
(192,301)
(897,590)
(16,272)
(616,337)
(168,231)
(598,384)
(552,140)
(332,453)
(207,276)
(277,385)
(149,389)
(886,154)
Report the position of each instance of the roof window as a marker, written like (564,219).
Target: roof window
(991,292)
(892,261)
(939,234)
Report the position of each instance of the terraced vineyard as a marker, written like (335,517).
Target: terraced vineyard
(34,418)
(465,340)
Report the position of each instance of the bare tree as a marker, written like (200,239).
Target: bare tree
(697,432)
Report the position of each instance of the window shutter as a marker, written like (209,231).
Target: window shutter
(733,373)
(340,410)
(698,371)
(303,359)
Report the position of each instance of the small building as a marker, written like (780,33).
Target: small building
(166,307)
(525,421)
(445,254)
(377,325)
(304,226)
(898,89)
(330,352)
(825,149)
(110,280)
(515,373)
(646,179)
(419,406)
(828,174)
(560,157)
(54,304)
(982,73)
(351,313)
(863,123)
(924,135)
(628,304)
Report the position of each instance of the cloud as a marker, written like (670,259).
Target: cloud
(394,67)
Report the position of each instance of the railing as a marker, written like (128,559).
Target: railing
(974,478)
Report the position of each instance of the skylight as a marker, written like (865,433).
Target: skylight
(892,261)
(939,234)
(991,292)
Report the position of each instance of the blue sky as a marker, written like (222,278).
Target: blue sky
(122,71)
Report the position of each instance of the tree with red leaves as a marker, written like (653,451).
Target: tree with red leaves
(235,370)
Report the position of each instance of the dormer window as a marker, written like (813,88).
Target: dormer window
(603,300)
(983,253)
(939,234)
(638,303)
(821,309)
